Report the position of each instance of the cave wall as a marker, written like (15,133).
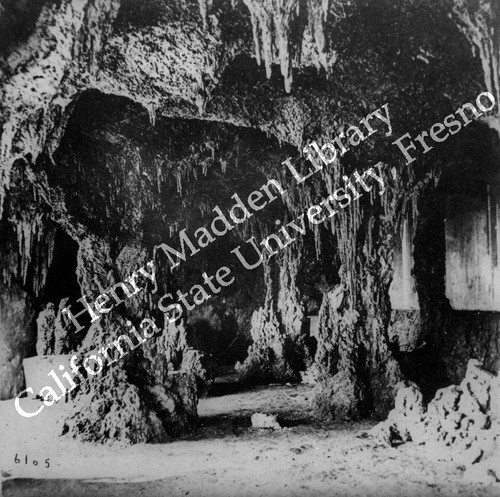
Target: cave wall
(450,221)
(466,333)
(17,329)
(147,191)
(472,251)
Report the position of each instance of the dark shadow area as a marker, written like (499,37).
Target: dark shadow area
(17,21)
(449,337)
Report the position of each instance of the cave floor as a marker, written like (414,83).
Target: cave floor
(227,457)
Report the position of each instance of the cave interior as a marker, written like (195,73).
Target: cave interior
(126,122)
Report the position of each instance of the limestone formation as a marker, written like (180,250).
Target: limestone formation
(460,423)
(123,123)
(278,351)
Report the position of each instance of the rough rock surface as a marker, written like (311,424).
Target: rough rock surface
(150,395)
(261,420)
(278,351)
(461,422)
(184,63)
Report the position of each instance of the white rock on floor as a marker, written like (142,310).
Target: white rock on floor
(261,420)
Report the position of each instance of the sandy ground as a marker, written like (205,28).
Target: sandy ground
(226,457)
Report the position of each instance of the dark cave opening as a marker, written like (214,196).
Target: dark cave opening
(61,281)
(61,285)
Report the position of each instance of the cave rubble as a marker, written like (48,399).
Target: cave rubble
(460,423)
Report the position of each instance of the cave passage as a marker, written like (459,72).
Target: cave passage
(300,200)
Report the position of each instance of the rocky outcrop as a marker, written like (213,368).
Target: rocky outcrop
(278,351)
(150,395)
(357,371)
(17,314)
(462,423)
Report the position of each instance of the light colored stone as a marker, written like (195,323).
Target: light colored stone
(268,421)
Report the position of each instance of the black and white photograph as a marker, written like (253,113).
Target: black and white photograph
(250,248)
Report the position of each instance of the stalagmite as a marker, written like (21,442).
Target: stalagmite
(277,327)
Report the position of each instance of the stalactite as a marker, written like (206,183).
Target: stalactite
(152,113)
(27,230)
(272,22)
(479,21)
(205,6)
(159,172)
(7,137)
(35,240)
(268,17)
(318,12)
(65,37)
(8,132)
(43,258)
(173,228)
